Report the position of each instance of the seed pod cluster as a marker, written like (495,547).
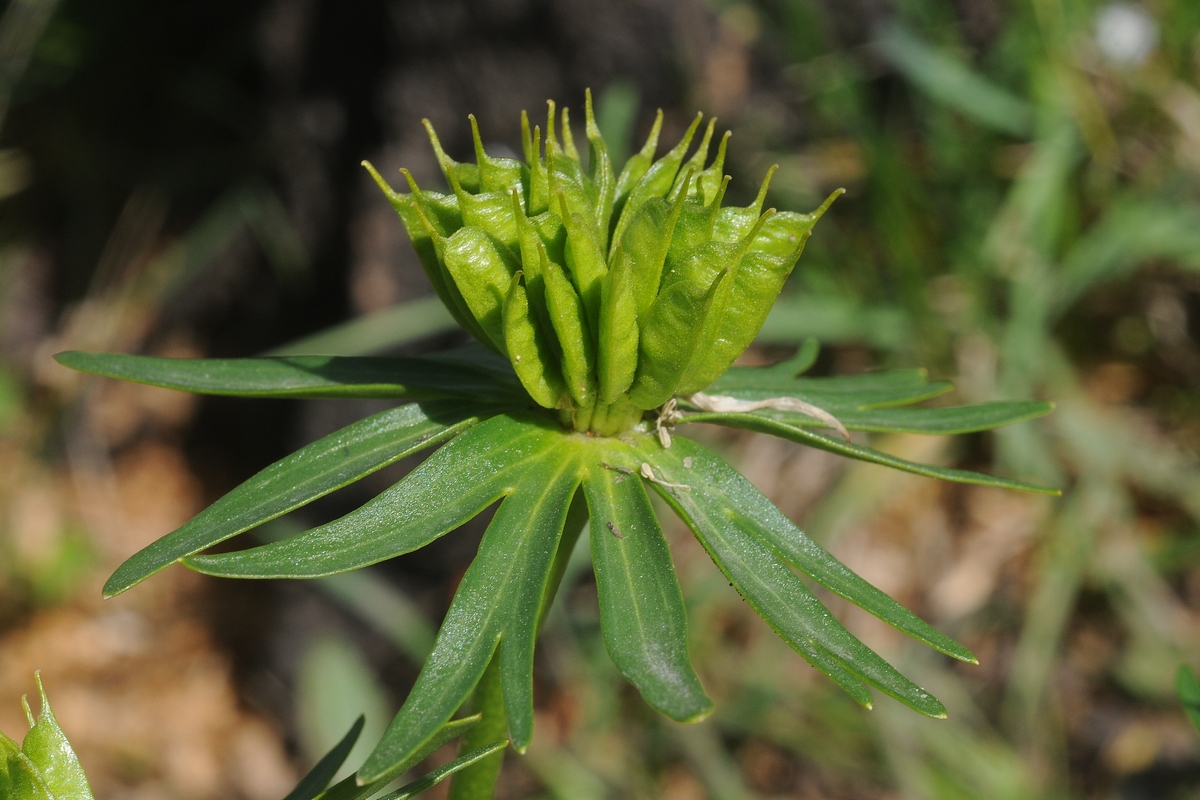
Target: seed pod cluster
(610,292)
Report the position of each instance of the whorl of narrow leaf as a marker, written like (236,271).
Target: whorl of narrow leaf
(609,291)
(600,295)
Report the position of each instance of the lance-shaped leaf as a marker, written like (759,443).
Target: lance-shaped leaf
(943,421)
(795,433)
(496,603)
(725,487)
(350,789)
(296,376)
(319,776)
(451,487)
(642,615)
(428,781)
(771,587)
(313,471)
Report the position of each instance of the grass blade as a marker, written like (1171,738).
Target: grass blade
(496,603)
(951,82)
(941,421)
(350,789)
(445,771)
(451,487)
(319,776)
(822,442)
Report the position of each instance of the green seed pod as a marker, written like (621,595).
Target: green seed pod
(618,338)
(530,351)
(610,292)
(636,166)
(482,269)
(574,338)
(676,325)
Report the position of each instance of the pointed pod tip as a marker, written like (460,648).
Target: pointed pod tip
(379,180)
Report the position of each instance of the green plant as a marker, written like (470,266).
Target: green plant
(609,308)
(43,766)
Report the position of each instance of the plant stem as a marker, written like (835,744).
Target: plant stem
(478,781)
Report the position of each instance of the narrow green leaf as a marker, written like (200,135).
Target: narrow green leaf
(642,615)
(350,789)
(50,753)
(311,472)
(538,520)
(771,587)
(725,486)
(295,376)
(451,487)
(318,777)
(950,81)
(497,600)
(862,453)
(947,420)
(445,771)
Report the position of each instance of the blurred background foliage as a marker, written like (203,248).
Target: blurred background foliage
(1022,216)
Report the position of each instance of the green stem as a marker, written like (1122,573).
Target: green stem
(478,781)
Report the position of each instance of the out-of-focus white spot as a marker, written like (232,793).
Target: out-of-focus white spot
(1125,33)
